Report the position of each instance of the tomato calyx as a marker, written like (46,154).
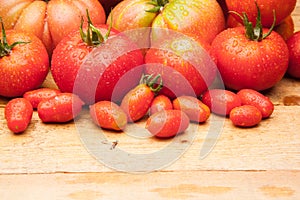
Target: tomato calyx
(158,5)
(152,82)
(255,33)
(93,36)
(5,48)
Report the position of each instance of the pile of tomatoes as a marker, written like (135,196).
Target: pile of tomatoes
(125,60)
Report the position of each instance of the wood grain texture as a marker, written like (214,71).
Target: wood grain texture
(51,161)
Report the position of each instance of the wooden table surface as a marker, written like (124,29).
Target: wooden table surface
(55,161)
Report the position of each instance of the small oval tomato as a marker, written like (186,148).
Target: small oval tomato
(24,62)
(254,98)
(137,101)
(193,107)
(245,116)
(159,103)
(36,96)
(293,44)
(167,123)
(62,108)
(108,115)
(18,114)
(221,101)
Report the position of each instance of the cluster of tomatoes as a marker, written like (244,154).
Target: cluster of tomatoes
(251,44)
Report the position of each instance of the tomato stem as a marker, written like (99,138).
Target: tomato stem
(5,48)
(158,5)
(152,82)
(93,36)
(255,33)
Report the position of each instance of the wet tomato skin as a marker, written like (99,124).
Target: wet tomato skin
(257,99)
(221,101)
(245,116)
(18,114)
(193,107)
(167,123)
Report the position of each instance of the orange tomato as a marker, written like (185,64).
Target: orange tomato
(49,20)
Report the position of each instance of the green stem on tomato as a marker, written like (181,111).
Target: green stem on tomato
(158,5)
(93,36)
(255,33)
(152,82)
(5,48)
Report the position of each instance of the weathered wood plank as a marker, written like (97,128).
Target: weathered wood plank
(273,145)
(207,185)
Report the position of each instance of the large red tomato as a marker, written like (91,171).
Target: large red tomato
(23,66)
(250,59)
(184,65)
(293,44)
(200,19)
(282,9)
(49,20)
(96,68)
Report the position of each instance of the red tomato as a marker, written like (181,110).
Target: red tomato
(49,20)
(254,98)
(23,66)
(293,44)
(159,103)
(36,96)
(18,114)
(167,123)
(137,101)
(221,101)
(62,108)
(282,9)
(108,115)
(193,107)
(245,116)
(93,68)
(199,19)
(250,59)
(186,68)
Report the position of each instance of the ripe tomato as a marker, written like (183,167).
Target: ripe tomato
(36,96)
(108,115)
(193,108)
(49,20)
(61,108)
(159,103)
(257,99)
(18,114)
(92,66)
(245,116)
(293,44)
(184,65)
(167,123)
(250,59)
(137,101)
(282,9)
(196,18)
(23,66)
(221,101)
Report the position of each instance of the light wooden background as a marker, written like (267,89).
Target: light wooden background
(49,161)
